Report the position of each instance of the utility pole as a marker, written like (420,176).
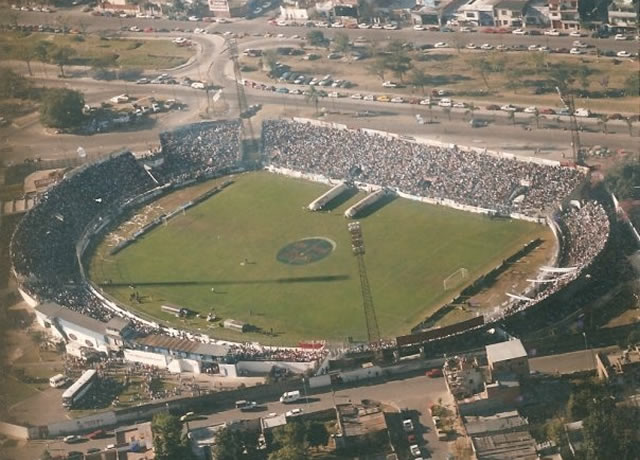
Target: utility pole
(576,147)
(357,246)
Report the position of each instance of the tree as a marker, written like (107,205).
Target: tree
(270,59)
(13,85)
(289,453)
(168,442)
(42,52)
(632,84)
(583,73)
(378,68)
(419,78)
(313,96)
(316,38)
(536,116)
(633,338)
(341,42)
(291,442)
(629,122)
(602,122)
(62,57)
(26,53)
(317,434)
(228,445)
(398,63)
(482,66)
(62,108)
(512,117)
(562,77)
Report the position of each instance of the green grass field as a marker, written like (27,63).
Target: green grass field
(411,248)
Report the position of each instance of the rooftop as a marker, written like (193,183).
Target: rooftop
(360,420)
(273,421)
(503,421)
(186,346)
(53,310)
(513,5)
(506,446)
(503,351)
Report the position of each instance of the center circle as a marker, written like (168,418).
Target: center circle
(305,251)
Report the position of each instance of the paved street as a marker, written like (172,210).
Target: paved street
(412,393)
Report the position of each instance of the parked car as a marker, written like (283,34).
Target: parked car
(415,450)
(72,439)
(552,32)
(445,103)
(531,109)
(575,51)
(407,425)
(389,84)
(492,107)
(434,373)
(294,412)
(620,37)
(486,47)
(440,45)
(623,54)
(576,33)
(509,108)
(580,112)
(519,32)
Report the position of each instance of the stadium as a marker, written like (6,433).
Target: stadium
(188,242)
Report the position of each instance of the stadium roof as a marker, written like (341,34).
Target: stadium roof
(503,351)
(53,310)
(186,346)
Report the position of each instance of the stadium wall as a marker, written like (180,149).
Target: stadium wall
(264,367)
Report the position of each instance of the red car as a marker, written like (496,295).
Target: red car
(97,434)
(547,111)
(433,373)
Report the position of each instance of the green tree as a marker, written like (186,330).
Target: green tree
(25,51)
(317,434)
(341,42)
(228,445)
(418,78)
(62,57)
(168,442)
(270,59)
(399,64)
(316,38)
(13,85)
(562,77)
(633,338)
(62,108)
(378,68)
(313,97)
(289,453)
(482,66)
(632,84)
(291,434)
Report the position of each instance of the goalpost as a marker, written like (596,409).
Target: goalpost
(455,279)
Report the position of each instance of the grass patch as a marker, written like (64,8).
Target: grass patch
(115,52)
(412,247)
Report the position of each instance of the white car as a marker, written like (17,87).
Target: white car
(543,48)
(501,47)
(486,47)
(579,44)
(620,37)
(580,112)
(415,450)
(335,94)
(389,84)
(294,412)
(519,32)
(376,26)
(222,21)
(575,51)
(575,33)
(194,18)
(364,25)
(197,85)
(427,102)
(471,46)
(397,100)
(459,105)
(337,25)
(418,27)
(282,23)
(623,54)
(445,103)
(369,97)
(509,108)
(390,26)
(440,45)
(322,24)
(356,96)
(465,29)
(552,32)
(532,47)
(531,109)
(407,425)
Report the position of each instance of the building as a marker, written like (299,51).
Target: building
(80,332)
(228,8)
(508,357)
(564,15)
(575,436)
(139,438)
(203,439)
(502,422)
(510,13)
(624,15)
(621,367)
(478,12)
(296,11)
(184,355)
(505,446)
(357,423)
(463,376)
(435,12)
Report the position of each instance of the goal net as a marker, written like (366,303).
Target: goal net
(455,279)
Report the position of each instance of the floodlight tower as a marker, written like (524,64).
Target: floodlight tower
(357,245)
(576,148)
(247,127)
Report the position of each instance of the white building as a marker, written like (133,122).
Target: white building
(296,11)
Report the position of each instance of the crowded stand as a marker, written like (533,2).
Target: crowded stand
(500,184)
(253,352)
(199,150)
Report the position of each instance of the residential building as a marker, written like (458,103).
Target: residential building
(478,12)
(619,367)
(564,15)
(435,12)
(510,13)
(624,15)
(357,423)
(140,440)
(505,446)
(508,357)
(228,8)
(296,10)
(502,422)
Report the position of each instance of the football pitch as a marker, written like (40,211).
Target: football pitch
(254,253)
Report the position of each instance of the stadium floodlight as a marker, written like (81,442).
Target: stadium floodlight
(357,246)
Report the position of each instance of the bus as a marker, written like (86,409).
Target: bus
(176,310)
(57,381)
(75,392)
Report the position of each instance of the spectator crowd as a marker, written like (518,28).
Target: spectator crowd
(504,185)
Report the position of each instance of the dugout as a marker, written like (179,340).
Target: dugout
(235,325)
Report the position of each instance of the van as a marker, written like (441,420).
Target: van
(290,396)
(57,381)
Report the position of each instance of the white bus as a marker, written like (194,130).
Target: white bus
(57,381)
(75,392)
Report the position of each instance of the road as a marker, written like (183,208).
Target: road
(413,393)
